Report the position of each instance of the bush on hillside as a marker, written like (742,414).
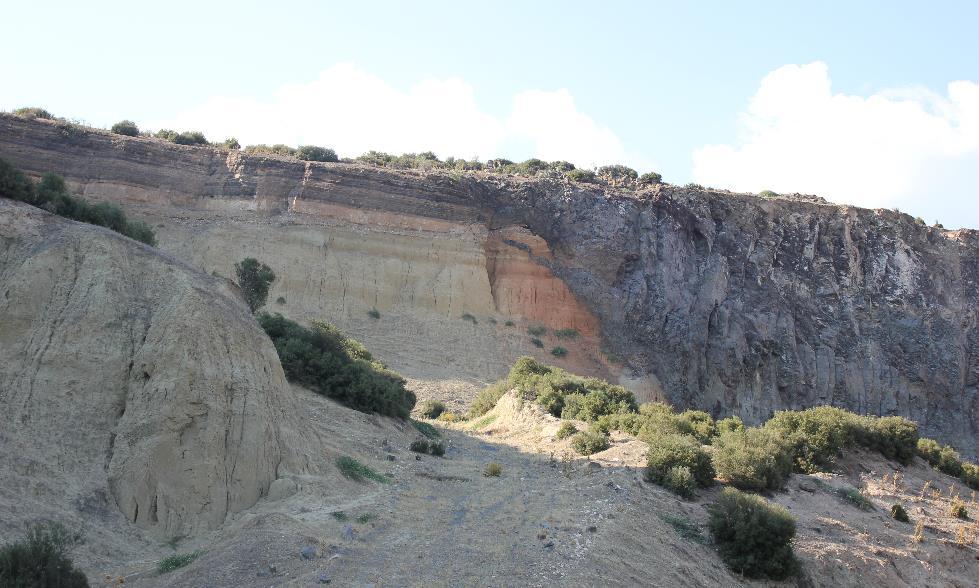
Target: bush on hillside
(970,475)
(41,558)
(753,459)
(487,398)
(730,424)
(680,481)
(231,143)
(589,442)
(551,385)
(52,194)
(893,436)
(166,134)
(650,179)
(899,514)
(581,175)
(277,149)
(565,430)
(753,536)
(33,112)
(320,359)
(314,153)
(699,424)
(617,174)
(254,279)
(667,451)
(125,127)
(817,435)
(189,138)
(431,409)
(942,457)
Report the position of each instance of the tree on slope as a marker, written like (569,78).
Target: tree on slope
(254,279)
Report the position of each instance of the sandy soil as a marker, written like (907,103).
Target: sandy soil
(551,517)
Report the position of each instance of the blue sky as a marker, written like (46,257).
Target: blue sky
(746,95)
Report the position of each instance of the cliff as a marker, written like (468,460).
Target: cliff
(727,302)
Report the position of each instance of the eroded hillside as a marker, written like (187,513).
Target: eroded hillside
(727,302)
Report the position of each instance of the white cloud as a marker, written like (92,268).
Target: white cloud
(907,148)
(354,111)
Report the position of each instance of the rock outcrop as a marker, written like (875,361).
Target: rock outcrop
(127,377)
(727,302)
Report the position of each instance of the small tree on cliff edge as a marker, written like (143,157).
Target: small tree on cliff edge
(254,279)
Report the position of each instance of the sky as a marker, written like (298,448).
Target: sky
(868,103)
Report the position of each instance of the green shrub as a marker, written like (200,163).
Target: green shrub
(493,470)
(679,480)
(425,429)
(323,360)
(254,279)
(855,498)
(817,435)
(536,342)
(565,430)
(942,457)
(231,144)
(41,559)
(537,330)
(685,528)
(374,313)
(957,509)
(768,194)
(314,153)
(589,442)
(436,448)
(568,333)
(51,194)
(699,424)
(509,323)
(650,179)
(33,112)
(14,184)
(189,138)
(278,149)
(559,351)
(899,514)
(126,127)
(617,174)
(431,409)
(970,475)
(487,398)
(280,300)
(358,472)
(670,450)
(419,446)
(581,175)
(551,385)
(177,561)
(339,515)
(753,537)
(468,317)
(893,436)
(730,424)
(753,459)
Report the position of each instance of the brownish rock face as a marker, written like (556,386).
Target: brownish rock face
(726,302)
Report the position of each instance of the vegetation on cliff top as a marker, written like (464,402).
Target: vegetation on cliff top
(51,194)
(323,360)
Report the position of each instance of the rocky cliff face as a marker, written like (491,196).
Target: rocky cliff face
(727,302)
(129,382)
